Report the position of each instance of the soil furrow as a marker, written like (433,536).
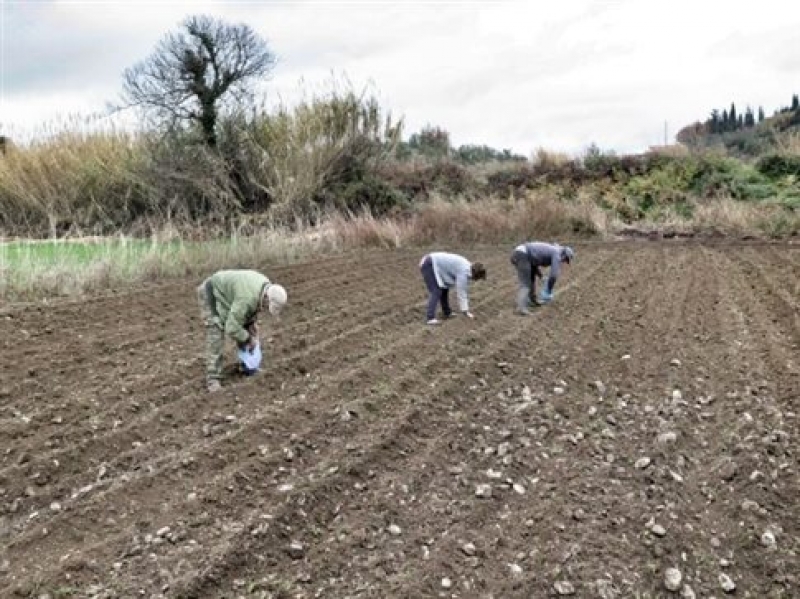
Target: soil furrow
(647,419)
(421,333)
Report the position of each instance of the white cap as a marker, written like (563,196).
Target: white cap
(276,295)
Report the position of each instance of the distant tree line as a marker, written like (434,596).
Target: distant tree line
(729,120)
(734,127)
(434,142)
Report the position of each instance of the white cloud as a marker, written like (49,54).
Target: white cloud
(508,73)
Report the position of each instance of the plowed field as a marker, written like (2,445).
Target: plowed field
(646,420)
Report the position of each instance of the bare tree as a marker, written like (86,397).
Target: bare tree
(195,72)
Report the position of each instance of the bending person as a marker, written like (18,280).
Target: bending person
(528,258)
(230,302)
(442,271)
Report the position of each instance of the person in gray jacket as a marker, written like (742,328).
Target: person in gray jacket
(442,271)
(528,258)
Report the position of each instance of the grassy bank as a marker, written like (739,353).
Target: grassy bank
(31,270)
(342,153)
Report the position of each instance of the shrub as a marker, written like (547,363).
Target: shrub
(721,177)
(298,159)
(514,179)
(777,166)
(368,193)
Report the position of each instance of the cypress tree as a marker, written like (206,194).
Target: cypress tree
(749,119)
(714,125)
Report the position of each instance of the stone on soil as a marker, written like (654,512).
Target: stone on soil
(768,539)
(687,592)
(564,587)
(672,579)
(483,491)
(296,550)
(667,437)
(726,582)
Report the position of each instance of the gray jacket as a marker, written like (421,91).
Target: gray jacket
(543,254)
(452,270)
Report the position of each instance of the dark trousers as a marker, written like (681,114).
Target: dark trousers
(436,294)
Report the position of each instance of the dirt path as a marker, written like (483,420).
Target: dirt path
(645,420)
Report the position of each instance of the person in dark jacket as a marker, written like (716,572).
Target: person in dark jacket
(528,258)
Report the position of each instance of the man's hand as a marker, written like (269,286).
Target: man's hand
(249,344)
(252,340)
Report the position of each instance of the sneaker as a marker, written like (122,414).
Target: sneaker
(214,385)
(524,312)
(434,321)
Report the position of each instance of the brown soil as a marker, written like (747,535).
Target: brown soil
(349,468)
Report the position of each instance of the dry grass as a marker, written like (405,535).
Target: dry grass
(536,216)
(722,217)
(80,180)
(168,254)
(549,159)
(72,177)
(32,274)
(367,231)
(736,218)
(437,223)
(672,151)
(789,143)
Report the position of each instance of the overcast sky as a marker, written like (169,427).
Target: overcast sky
(518,74)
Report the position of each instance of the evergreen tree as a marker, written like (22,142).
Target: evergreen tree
(749,118)
(714,122)
(725,121)
(732,118)
(761,116)
(431,141)
(795,102)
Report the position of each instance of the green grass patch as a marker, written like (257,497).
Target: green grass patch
(18,254)
(32,269)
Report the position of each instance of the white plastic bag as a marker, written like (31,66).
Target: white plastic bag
(250,359)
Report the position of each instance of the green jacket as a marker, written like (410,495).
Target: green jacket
(237,299)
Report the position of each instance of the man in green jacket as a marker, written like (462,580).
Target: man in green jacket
(230,301)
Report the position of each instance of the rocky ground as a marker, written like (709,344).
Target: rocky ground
(636,438)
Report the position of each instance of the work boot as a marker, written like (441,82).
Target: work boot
(214,385)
